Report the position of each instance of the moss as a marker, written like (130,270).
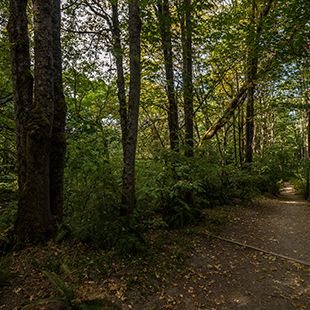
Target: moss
(38,127)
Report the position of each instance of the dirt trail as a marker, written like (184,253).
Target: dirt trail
(280,225)
(221,275)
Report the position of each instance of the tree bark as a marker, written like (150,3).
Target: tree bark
(129,147)
(22,81)
(34,222)
(188,79)
(252,75)
(58,143)
(164,19)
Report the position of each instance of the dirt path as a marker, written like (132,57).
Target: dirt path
(222,275)
(280,225)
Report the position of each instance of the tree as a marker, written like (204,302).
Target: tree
(35,119)
(188,97)
(128,195)
(256,27)
(164,19)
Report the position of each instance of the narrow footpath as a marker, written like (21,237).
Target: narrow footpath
(223,275)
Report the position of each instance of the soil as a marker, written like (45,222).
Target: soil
(212,274)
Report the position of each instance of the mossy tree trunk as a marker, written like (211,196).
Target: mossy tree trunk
(35,221)
(22,81)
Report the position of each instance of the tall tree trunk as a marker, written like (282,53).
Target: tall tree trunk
(188,87)
(58,146)
(235,140)
(308,151)
(188,78)
(252,73)
(164,19)
(263,135)
(240,134)
(34,222)
(129,147)
(22,81)
(121,93)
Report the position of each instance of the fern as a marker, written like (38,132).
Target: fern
(61,286)
(72,302)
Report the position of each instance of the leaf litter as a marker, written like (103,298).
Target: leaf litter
(190,270)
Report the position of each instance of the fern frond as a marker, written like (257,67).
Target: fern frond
(43,302)
(61,286)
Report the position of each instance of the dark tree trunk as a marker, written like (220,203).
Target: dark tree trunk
(188,78)
(308,151)
(129,147)
(120,72)
(250,113)
(34,222)
(240,134)
(188,87)
(58,146)
(164,19)
(252,74)
(22,81)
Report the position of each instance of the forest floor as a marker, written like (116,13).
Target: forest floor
(189,269)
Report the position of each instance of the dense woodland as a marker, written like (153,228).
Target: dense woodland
(126,116)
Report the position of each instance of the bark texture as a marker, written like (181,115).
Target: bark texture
(188,79)
(22,81)
(35,117)
(130,133)
(58,142)
(164,19)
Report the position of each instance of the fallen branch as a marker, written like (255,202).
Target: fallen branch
(259,249)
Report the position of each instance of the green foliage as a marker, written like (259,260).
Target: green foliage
(69,298)
(4,273)
(105,229)
(8,208)
(300,185)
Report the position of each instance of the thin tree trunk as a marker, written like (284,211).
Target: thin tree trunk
(188,78)
(235,140)
(308,153)
(240,134)
(252,71)
(164,19)
(120,72)
(128,194)
(58,146)
(252,75)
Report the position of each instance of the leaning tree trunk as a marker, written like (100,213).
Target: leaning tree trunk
(58,143)
(130,134)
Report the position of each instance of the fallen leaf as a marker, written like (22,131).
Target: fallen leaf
(113,288)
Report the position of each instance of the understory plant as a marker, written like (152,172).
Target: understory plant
(69,298)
